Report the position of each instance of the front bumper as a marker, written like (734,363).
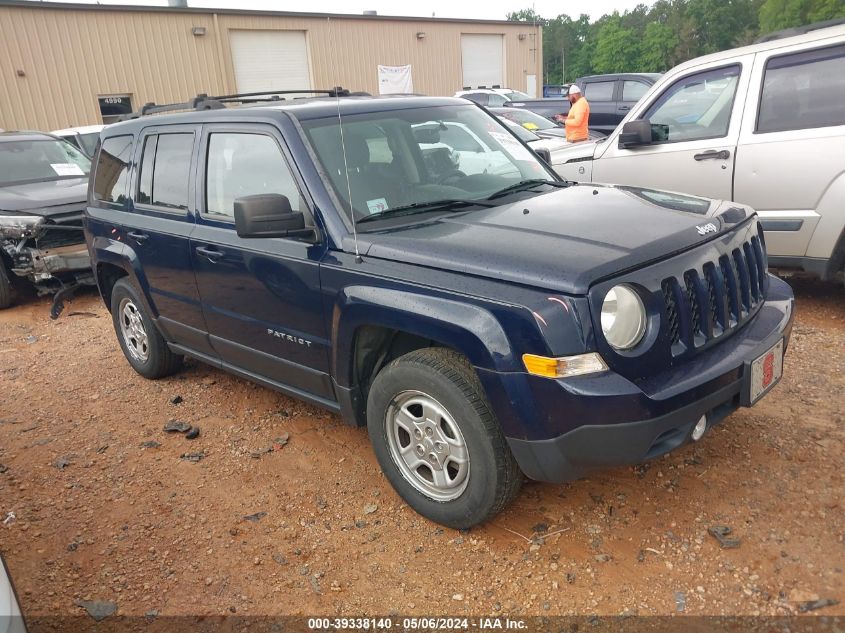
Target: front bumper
(610,421)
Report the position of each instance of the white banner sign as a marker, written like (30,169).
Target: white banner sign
(395,80)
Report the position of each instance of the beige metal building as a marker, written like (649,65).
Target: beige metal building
(75,64)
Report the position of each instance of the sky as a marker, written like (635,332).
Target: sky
(478,9)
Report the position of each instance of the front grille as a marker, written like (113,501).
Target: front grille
(708,302)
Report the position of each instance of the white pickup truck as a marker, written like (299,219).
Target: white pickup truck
(763,125)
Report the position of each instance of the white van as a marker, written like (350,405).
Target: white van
(763,125)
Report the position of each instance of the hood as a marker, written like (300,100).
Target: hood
(578,151)
(552,132)
(37,197)
(551,144)
(567,240)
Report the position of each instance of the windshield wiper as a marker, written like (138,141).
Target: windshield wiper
(421,207)
(526,184)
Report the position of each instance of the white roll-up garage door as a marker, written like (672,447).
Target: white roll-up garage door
(481,59)
(270,60)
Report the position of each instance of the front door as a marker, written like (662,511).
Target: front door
(695,125)
(260,296)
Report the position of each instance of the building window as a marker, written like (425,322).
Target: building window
(112,107)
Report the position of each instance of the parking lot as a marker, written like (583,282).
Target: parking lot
(109,507)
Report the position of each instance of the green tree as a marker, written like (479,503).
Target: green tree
(782,14)
(658,45)
(617,47)
(525,15)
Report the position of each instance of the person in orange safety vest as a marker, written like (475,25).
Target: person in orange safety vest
(578,118)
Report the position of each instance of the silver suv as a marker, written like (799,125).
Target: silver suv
(763,125)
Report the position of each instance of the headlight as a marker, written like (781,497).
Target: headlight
(623,317)
(19,226)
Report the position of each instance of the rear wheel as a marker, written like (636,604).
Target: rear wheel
(141,342)
(5,287)
(437,440)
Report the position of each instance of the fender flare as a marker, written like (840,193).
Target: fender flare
(465,327)
(118,254)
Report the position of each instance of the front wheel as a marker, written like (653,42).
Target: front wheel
(437,440)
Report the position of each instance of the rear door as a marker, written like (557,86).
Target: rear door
(159,230)
(695,126)
(601,95)
(260,296)
(632,90)
(791,160)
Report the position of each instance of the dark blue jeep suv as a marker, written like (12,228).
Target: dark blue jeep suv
(410,264)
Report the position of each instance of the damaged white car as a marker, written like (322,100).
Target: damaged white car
(43,187)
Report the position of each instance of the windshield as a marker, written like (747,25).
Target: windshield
(416,156)
(520,131)
(517,96)
(528,120)
(39,160)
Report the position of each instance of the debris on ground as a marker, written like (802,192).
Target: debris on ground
(176,400)
(3,468)
(680,601)
(192,457)
(255,518)
(812,605)
(193,434)
(97,609)
(370,508)
(261,451)
(150,444)
(280,441)
(61,463)
(175,426)
(10,518)
(720,533)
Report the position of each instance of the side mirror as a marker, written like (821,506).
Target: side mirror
(545,155)
(268,215)
(635,133)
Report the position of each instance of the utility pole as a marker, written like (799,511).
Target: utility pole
(562,66)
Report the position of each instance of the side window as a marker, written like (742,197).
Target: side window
(695,107)
(111,177)
(145,181)
(633,90)
(242,164)
(496,101)
(803,90)
(165,170)
(599,91)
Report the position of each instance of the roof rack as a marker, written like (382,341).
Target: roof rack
(799,30)
(204,102)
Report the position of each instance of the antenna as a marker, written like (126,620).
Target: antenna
(358,258)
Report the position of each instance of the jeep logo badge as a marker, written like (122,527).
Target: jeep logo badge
(704,229)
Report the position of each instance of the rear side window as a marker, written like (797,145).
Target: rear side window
(165,170)
(633,90)
(241,164)
(802,91)
(111,177)
(599,91)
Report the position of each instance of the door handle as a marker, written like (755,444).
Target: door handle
(713,155)
(210,254)
(624,108)
(138,237)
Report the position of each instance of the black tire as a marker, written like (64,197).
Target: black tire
(493,477)
(5,287)
(157,361)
